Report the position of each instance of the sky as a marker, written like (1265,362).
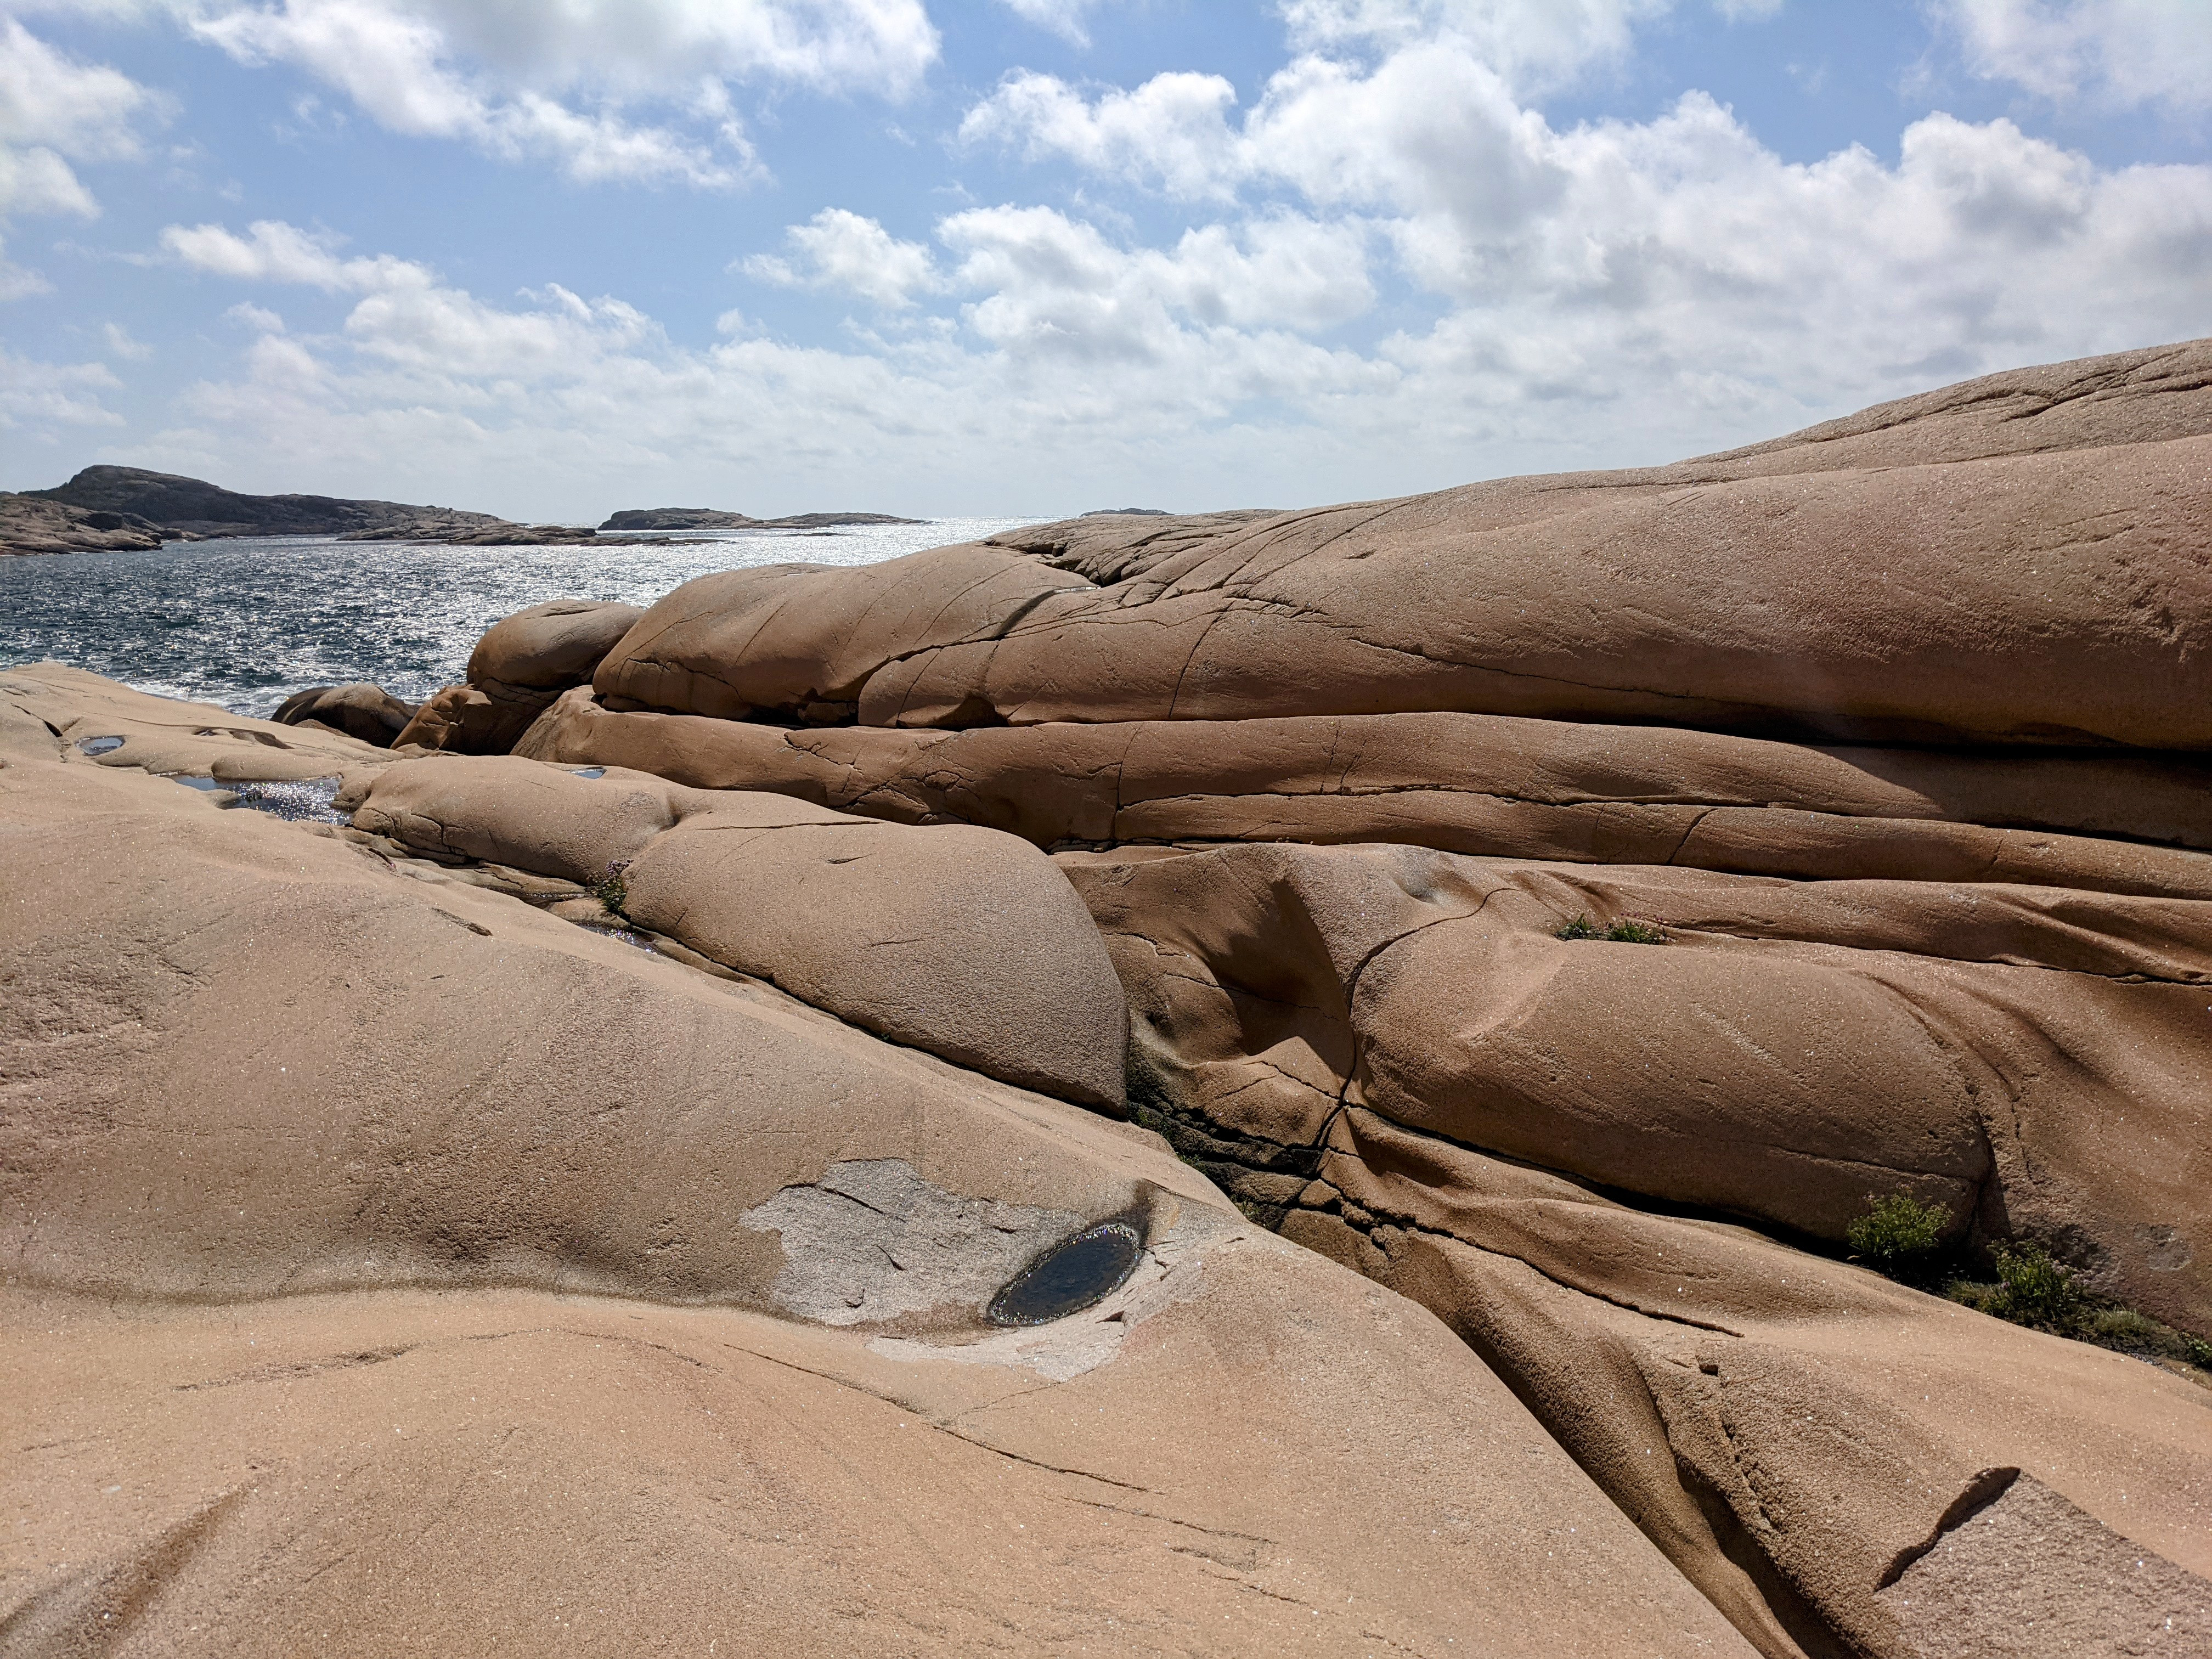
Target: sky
(550,258)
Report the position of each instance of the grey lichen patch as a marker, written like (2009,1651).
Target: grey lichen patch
(872,1243)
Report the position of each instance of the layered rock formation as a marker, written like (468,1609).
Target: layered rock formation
(1571,903)
(1980,568)
(30,525)
(1888,731)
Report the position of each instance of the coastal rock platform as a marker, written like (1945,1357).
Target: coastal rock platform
(1614,1064)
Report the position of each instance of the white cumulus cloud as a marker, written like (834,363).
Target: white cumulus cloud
(54,110)
(2123,52)
(841,249)
(522,79)
(1534,44)
(274,252)
(41,396)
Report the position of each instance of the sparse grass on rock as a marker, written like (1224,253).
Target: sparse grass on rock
(1626,931)
(1902,1238)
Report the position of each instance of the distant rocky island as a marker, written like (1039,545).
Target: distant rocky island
(709,517)
(106,508)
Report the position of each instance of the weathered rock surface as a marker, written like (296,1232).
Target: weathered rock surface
(30,525)
(520,665)
(1845,1465)
(961,941)
(385,1257)
(1892,732)
(360,710)
(2020,560)
(116,726)
(2032,1062)
(1469,783)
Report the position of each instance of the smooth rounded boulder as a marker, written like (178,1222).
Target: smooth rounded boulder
(520,665)
(962,941)
(360,710)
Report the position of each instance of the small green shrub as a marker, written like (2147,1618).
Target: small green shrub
(2037,1290)
(1898,1237)
(1624,932)
(612,892)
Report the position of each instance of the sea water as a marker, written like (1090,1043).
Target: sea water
(246,622)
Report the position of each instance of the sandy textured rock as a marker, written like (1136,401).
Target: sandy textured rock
(348,1221)
(162,735)
(2034,1062)
(805,639)
(1940,575)
(1467,783)
(360,710)
(1846,1466)
(959,941)
(521,663)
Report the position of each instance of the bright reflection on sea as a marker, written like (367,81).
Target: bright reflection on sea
(245,623)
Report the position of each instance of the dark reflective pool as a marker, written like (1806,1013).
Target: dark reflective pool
(1070,1277)
(99,745)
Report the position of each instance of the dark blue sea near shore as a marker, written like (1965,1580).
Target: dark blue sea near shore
(245,623)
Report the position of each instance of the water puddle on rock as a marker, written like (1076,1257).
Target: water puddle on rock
(307,800)
(1075,1274)
(590,772)
(99,745)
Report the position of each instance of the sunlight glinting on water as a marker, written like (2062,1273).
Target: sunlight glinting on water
(246,622)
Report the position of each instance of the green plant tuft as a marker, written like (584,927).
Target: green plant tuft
(2035,1291)
(1624,932)
(1898,1237)
(613,892)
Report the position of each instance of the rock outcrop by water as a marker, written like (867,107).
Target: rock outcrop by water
(29,524)
(128,504)
(193,507)
(360,710)
(1545,919)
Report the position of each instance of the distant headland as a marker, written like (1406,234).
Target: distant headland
(707,518)
(124,508)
